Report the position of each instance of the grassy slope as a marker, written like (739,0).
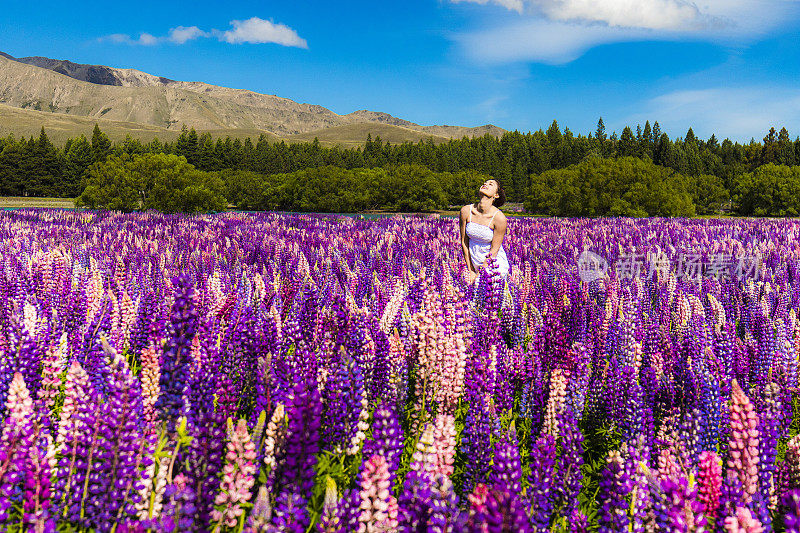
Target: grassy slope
(60,127)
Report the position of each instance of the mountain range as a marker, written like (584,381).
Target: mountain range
(67,98)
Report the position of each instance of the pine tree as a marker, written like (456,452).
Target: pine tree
(101,145)
(600,137)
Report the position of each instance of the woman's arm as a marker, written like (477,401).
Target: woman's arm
(462,223)
(500,225)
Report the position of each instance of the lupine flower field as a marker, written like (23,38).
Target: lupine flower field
(276,373)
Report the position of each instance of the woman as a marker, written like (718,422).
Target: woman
(483,227)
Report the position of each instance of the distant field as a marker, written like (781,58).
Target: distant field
(21,202)
(354,135)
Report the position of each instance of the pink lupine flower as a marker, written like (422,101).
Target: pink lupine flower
(743,522)
(444,434)
(744,440)
(150,375)
(127,317)
(52,368)
(76,384)
(477,499)
(238,475)
(555,404)
(424,459)
(709,482)
(376,500)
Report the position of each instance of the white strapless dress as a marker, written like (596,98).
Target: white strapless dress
(480,242)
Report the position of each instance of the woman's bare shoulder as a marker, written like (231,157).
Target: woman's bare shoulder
(465,210)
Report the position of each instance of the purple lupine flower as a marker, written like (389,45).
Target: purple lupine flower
(343,400)
(615,486)
(791,503)
(499,512)
(506,474)
(78,440)
(296,473)
(176,356)
(475,443)
(445,515)
(290,514)
(387,438)
(91,355)
(120,452)
(540,486)
(349,510)
(771,414)
(568,477)
(203,458)
(178,513)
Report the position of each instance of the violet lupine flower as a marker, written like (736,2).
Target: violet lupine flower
(238,476)
(578,522)
(344,407)
(498,512)
(744,442)
(203,458)
(615,486)
(387,439)
(445,515)
(176,357)
(415,497)
(506,474)
(78,444)
(791,503)
(540,486)
(709,483)
(290,514)
(91,355)
(676,508)
(178,514)
(568,477)
(120,459)
(349,510)
(296,473)
(771,414)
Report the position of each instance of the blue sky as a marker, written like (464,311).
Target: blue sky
(730,67)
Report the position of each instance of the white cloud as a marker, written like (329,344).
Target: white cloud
(182,34)
(652,14)
(253,31)
(513,5)
(256,31)
(559,31)
(145,39)
(541,41)
(736,112)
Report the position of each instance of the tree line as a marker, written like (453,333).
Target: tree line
(525,163)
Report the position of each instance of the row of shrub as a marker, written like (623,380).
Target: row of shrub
(596,186)
(168,183)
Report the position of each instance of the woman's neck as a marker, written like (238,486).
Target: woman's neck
(485,204)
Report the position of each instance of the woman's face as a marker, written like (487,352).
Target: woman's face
(489,188)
